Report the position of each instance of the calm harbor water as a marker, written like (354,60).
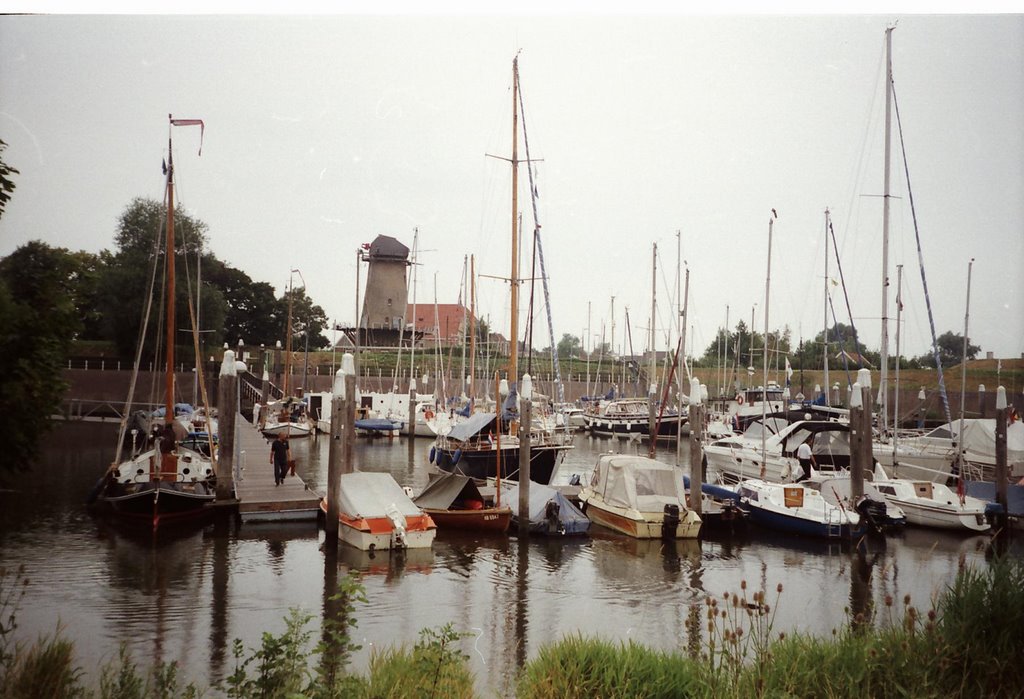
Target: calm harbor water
(186,595)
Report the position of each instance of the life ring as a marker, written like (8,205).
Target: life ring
(739,398)
(456,456)
(433,451)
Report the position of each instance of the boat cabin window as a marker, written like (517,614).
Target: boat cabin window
(940,433)
(656,482)
(886,489)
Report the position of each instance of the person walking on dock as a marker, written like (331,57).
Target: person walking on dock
(279,457)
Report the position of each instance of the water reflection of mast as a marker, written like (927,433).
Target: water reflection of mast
(332,612)
(860,587)
(219,617)
(520,626)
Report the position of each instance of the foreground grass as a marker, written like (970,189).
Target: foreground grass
(969,645)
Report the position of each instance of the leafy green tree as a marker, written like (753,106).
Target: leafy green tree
(951,350)
(569,346)
(252,312)
(38,320)
(124,284)
(6,183)
(728,343)
(307,317)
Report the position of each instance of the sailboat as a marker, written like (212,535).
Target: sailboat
(486,444)
(166,481)
(289,415)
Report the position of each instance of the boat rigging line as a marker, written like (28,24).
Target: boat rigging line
(920,260)
(539,248)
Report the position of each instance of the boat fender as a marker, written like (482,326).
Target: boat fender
(787,471)
(739,398)
(456,456)
(433,452)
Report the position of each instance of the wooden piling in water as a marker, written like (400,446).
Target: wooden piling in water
(335,455)
(227,408)
(696,445)
(525,447)
(1002,471)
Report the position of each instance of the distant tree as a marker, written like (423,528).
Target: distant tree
(124,285)
(253,313)
(38,320)
(6,183)
(307,317)
(951,350)
(569,346)
(727,344)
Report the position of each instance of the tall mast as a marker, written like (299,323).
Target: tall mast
(288,340)
(472,329)
(883,383)
(825,343)
(653,378)
(764,353)
(963,378)
(169,397)
(169,376)
(896,388)
(412,274)
(513,359)
(465,325)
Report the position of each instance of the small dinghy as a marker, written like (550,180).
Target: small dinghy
(376,513)
(454,502)
(551,513)
(639,497)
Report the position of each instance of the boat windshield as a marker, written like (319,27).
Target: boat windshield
(769,428)
(830,443)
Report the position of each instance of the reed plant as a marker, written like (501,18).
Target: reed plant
(590,667)
(968,644)
(434,667)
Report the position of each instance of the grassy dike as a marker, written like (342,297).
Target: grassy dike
(970,644)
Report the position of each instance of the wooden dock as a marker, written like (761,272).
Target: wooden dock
(258,497)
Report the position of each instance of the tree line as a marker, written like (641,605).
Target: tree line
(110,290)
(51,297)
(744,348)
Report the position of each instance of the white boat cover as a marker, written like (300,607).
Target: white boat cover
(637,482)
(980,440)
(369,495)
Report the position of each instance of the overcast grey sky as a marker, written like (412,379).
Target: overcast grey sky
(325,131)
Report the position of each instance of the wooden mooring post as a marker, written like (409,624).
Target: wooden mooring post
(227,408)
(696,445)
(1002,472)
(861,455)
(525,447)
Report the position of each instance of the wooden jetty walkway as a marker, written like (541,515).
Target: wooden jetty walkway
(258,497)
